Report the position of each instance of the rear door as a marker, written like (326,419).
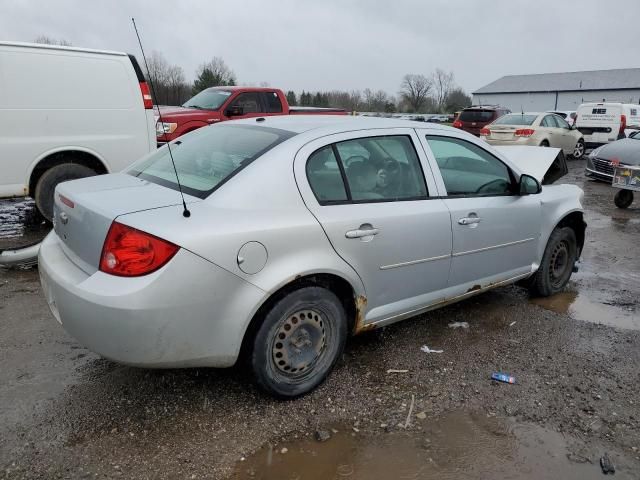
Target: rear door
(495,231)
(599,123)
(380,210)
(550,128)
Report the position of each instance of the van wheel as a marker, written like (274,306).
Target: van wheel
(51,178)
(623,198)
(578,150)
(299,342)
(544,143)
(557,263)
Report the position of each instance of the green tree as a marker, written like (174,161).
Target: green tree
(213,74)
(291,98)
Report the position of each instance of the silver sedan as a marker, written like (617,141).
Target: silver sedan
(295,233)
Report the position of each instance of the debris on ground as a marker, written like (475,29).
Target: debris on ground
(512,324)
(408,421)
(459,325)
(421,415)
(503,377)
(607,465)
(322,435)
(393,370)
(426,349)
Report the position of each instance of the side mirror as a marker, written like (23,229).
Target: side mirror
(529,185)
(235,111)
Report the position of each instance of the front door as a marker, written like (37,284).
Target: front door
(381,214)
(495,231)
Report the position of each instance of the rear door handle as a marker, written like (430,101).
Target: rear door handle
(469,220)
(360,233)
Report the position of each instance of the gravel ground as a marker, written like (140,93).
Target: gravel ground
(66,413)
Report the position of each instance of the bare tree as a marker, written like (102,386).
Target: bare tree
(52,41)
(168,80)
(443,83)
(414,90)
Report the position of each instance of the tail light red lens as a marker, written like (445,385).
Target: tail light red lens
(128,252)
(623,123)
(457,124)
(485,132)
(146,95)
(524,132)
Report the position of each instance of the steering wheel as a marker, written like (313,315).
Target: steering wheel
(498,181)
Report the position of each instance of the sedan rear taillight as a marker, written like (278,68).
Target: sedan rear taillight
(485,132)
(524,132)
(128,252)
(457,124)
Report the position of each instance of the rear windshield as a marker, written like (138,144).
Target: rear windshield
(476,115)
(210,99)
(208,157)
(516,119)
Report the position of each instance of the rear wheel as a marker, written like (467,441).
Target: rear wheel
(623,198)
(557,263)
(299,342)
(51,178)
(578,150)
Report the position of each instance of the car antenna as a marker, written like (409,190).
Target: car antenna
(185,213)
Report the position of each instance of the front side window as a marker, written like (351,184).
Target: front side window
(249,102)
(372,169)
(468,170)
(562,123)
(209,99)
(208,157)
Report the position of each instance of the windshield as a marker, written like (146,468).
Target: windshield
(476,116)
(208,157)
(516,119)
(209,99)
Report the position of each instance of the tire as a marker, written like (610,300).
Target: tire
(51,178)
(557,263)
(623,198)
(313,318)
(544,143)
(578,150)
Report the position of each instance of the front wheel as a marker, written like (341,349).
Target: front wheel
(557,263)
(299,342)
(623,198)
(578,150)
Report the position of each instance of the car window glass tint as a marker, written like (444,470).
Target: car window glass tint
(548,122)
(468,169)
(273,102)
(324,176)
(382,168)
(561,122)
(250,102)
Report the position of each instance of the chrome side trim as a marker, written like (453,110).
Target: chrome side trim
(468,252)
(414,262)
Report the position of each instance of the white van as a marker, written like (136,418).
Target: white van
(606,122)
(67,113)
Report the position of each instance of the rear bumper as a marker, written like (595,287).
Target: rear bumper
(189,313)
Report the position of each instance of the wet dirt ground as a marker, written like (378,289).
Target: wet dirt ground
(390,410)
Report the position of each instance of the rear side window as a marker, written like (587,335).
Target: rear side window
(250,102)
(373,169)
(476,115)
(549,121)
(209,157)
(468,170)
(273,102)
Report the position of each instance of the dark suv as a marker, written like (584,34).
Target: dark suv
(473,119)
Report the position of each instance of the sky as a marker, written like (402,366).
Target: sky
(347,44)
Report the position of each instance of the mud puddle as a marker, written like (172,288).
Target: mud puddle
(581,306)
(20,223)
(458,445)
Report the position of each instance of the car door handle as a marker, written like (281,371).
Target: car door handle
(469,220)
(360,233)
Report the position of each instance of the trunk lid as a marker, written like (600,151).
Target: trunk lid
(504,133)
(84,210)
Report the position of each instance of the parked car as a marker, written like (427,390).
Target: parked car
(218,104)
(625,151)
(538,129)
(602,123)
(474,119)
(568,115)
(302,230)
(67,113)
(438,119)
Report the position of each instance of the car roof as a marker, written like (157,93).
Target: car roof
(334,123)
(44,46)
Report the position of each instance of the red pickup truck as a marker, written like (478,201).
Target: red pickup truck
(218,104)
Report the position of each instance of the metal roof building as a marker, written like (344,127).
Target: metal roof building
(561,91)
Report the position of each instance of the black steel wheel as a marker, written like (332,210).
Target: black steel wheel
(557,263)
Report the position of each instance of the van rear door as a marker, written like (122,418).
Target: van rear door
(599,123)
